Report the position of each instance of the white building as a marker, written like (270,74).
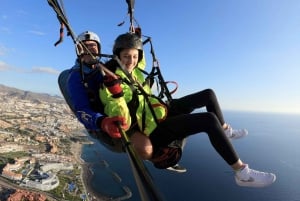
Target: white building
(48,182)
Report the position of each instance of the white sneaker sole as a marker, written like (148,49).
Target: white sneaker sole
(254,184)
(176,170)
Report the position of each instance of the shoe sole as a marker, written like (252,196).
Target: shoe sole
(175,170)
(254,184)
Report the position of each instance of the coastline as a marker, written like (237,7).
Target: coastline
(86,174)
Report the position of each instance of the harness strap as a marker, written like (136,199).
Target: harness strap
(61,34)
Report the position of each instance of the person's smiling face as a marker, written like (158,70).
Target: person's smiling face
(129,58)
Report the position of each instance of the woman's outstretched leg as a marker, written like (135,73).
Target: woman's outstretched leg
(182,126)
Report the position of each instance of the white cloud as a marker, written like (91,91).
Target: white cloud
(46,70)
(39,33)
(4,66)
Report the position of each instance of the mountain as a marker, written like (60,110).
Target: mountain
(28,95)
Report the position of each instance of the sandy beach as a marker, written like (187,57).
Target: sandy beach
(86,175)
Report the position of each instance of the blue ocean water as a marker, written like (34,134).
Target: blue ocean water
(272,145)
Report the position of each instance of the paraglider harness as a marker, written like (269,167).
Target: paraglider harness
(164,156)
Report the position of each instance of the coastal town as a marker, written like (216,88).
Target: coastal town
(40,148)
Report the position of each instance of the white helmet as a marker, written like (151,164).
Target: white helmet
(89,35)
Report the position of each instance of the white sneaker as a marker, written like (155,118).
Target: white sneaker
(235,133)
(177,168)
(253,178)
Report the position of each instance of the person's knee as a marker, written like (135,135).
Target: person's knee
(144,152)
(142,145)
(212,117)
(213,120)
(210,93)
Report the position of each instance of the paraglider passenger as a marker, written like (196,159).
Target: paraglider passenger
(145,118)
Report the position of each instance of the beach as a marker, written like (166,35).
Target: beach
(86,174)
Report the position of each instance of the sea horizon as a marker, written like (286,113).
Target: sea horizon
(272,146)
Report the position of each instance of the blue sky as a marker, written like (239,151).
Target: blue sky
(248,51)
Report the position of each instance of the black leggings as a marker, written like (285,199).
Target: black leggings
(181,124)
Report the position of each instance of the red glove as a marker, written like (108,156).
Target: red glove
(110,126)
(113,85)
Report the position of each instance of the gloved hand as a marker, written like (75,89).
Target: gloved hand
(110,126)
(113,85)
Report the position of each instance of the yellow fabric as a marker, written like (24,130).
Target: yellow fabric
(118,106)
(115,106)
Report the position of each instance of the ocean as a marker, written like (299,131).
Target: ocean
(272,145)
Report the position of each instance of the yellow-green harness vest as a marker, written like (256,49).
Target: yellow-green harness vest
(120,106)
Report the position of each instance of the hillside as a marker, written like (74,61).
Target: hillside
(28,95)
